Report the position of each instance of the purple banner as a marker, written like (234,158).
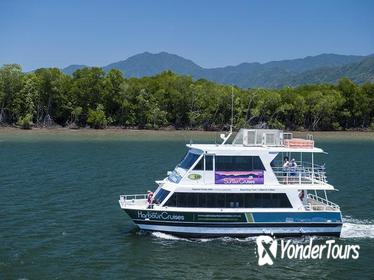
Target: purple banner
(239,177)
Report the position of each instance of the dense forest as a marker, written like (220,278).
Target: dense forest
(92,97)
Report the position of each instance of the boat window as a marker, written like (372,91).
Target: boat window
(192,200)
(188,160)
(175,177)
(257,164)
(234,200)
(172,201)
(238,163)
(200,165)
(208,162)
(160,196)
(229,200)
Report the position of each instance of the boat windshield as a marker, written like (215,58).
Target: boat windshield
(160,196)
(188,160)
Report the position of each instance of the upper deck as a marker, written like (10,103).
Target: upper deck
(256,157)
(240,148)
(263,139)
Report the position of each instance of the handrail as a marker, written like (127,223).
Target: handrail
(318,207)
(323,201)
(300,175)
(133,197)
(306,164)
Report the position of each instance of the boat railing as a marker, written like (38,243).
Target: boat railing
(317,203)
(273,138)
(303,174)
(132,199)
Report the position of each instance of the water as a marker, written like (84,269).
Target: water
(60,218)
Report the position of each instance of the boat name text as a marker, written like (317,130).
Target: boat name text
(160,216)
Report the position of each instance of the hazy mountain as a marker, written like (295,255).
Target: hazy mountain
(324,68)
(147,64)
(360,72)
(72,68)
(312,62)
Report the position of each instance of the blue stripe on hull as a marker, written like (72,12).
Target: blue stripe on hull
(242,231)
(305,217)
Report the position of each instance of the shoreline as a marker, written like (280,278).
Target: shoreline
(7,130)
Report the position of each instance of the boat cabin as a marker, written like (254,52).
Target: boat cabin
(255,157)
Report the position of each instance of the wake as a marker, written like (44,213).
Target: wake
(167,236)
(352,228)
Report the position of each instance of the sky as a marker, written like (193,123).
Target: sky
(57,33)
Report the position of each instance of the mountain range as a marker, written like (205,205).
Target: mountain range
(324,68)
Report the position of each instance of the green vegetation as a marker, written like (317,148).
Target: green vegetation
(95,98)
(25,122)
(96,118)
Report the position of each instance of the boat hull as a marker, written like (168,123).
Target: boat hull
(202,224)
(240,231)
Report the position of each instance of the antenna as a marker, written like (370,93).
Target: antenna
(223,137)
(232,108)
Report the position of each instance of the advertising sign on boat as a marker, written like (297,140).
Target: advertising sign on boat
(239,177)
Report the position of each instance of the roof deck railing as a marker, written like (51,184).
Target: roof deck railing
(303,174)
(271,137)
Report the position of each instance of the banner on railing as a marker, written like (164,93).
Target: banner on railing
(239,177)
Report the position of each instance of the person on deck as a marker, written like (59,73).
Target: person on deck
(285,168)
(293,168)
(150,199)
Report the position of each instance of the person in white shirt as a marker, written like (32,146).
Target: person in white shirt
(286,169)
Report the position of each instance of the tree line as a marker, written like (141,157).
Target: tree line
(92,97)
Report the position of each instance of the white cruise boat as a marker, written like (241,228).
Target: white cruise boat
(264,182)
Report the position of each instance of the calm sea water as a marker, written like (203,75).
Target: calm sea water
(60,218)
